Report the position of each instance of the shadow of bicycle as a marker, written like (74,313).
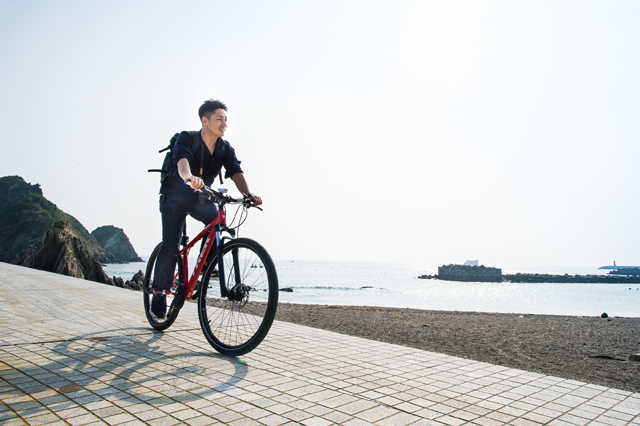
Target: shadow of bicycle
(135,364)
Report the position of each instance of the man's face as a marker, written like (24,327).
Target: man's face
(217,123)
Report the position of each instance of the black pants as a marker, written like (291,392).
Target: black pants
(174,211)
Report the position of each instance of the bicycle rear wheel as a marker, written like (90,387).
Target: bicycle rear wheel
(237,319)
(172,312)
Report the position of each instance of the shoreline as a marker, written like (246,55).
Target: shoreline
(587,349)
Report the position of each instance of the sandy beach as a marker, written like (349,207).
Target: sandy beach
(587,349)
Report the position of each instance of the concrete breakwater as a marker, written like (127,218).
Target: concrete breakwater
(548,278)
(482,273)
(625,271)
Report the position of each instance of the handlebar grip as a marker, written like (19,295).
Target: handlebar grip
(221,196)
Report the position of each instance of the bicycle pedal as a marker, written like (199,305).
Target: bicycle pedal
(179,297)
(175,287)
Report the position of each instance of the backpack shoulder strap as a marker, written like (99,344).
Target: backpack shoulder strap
(195,140)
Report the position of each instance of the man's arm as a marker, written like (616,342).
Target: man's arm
(243,187)
(185,173)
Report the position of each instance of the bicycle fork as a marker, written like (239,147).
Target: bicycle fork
(237,291)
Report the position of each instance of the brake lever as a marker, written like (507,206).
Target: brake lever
(247,202)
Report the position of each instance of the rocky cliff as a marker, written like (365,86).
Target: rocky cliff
(116,243)
(26,215)
(62,252)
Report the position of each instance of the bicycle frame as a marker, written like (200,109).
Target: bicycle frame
(237,318)
(217,226)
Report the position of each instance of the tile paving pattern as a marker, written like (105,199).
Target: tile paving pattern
(74,352)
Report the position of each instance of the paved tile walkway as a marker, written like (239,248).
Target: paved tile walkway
(74,352)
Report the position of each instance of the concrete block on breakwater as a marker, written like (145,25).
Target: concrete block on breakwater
(469,273)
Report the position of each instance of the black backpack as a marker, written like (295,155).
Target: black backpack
(167,168)
(166,164)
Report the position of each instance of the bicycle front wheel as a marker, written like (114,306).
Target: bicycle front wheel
(236,318)
(172,313)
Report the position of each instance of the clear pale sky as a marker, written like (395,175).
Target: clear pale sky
(427,132)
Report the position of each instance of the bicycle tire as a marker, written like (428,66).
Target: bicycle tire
(172,314)
(235,327)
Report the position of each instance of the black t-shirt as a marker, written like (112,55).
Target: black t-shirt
(223,156)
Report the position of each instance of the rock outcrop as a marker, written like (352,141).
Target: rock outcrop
(135,283)
(25,216)
(116,243)
(62,252)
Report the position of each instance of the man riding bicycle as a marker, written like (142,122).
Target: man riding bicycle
(178,199)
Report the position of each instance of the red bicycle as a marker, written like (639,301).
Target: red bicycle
(237,293)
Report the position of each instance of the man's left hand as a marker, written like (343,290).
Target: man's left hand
(255,199)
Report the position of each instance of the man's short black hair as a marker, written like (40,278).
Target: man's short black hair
(209,106)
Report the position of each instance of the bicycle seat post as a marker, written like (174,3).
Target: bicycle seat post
(185,238)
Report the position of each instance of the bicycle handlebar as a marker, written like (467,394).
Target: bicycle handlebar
(224,199)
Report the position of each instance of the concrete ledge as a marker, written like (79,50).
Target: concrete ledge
(81,353)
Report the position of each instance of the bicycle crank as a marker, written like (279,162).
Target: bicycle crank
(179,296)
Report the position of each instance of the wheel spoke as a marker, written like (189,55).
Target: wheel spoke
(237,326)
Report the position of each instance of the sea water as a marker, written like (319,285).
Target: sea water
(391,285)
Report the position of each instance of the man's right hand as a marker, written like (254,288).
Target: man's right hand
(194,182)
(185,173)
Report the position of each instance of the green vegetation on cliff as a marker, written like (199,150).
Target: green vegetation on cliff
(25,215)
